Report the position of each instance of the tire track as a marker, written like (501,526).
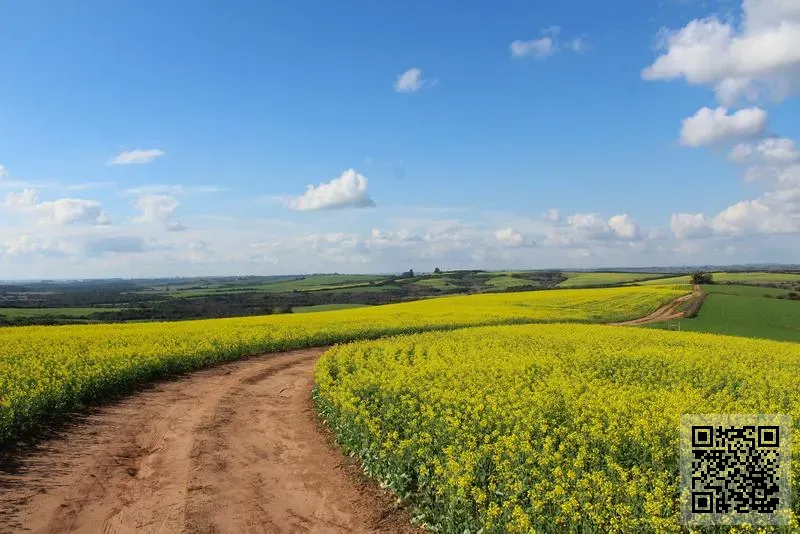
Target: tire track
(666,312)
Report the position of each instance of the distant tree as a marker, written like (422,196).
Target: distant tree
(286,309)
(699,277)
(437,271)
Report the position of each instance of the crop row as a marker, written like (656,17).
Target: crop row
(48,370)
(545,428)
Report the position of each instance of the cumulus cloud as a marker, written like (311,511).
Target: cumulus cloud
(777,212)
(624,226)
(348,190)
(710,126)
(155,208)
(158,209)
(736,60)
(590,223)
(579,229)
(411,81)
(509,237)
(63,211)
(690,225)
(137,156)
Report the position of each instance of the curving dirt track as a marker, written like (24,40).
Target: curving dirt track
(666,312)
(236,448)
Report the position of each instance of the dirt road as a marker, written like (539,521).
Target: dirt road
(236,448)
(666,312)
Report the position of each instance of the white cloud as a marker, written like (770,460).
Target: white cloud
(624,226)
(690,225)
(158,209)
(778,150)
(155,208)
(348,190)
(709,126)
(59,212)
(777,212)
(772,160)
(552,215)
(509,237)
(136,156)
(769,156)
(28,245)
(537,48)
(577,45)
(546,46)
(3,172)
(580,229)
(411,81)
(740,153)
(22,200)
(764,51)
(789,177)
(590,223)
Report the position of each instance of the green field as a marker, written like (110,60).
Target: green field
(308,283)
(437,281)
(740,278)
(744,311)
(744,291)
(503,282)
(575,279)
(325,307)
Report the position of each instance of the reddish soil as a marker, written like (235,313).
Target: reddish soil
(668,311)
(237,448)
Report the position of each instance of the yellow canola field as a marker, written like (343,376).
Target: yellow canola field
(47,370)
(545,428)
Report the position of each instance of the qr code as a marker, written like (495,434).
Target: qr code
(735,469)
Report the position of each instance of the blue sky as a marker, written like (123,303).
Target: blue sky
(178,138)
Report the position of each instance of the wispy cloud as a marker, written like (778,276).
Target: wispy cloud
(174,189)
(412,81)
(547,45)
(137,156)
